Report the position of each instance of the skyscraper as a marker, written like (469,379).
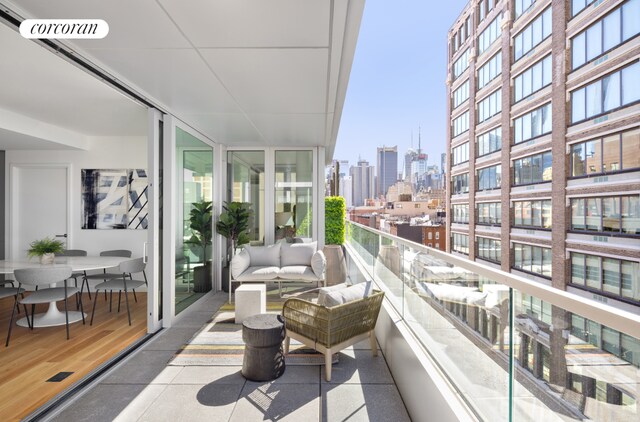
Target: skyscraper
(525,102)
(409,156)
(363,182)
(387,168)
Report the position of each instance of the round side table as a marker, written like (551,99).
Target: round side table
(263,354)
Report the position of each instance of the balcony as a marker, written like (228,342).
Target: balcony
(459,341)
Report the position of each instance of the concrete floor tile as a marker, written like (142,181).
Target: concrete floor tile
(193,403)
(172,339)
(140,403)
(298,374)
(366,402)
(220,375)
(281,402)
(167,375)
(360,367)
(193,319)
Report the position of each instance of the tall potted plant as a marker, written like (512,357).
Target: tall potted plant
(335,212)
(200,218)
(234,225)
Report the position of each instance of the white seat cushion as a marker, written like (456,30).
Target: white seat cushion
(355,292)
(259,273)
(297,253)
(48,295)
(264,256)
(118,284)
(298,273)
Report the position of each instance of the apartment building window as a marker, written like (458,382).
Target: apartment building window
(460,154)
(490,106)
(612,214)
(461,124)
(460,214)
(461,94)
(617,89)
(532,259)
(533,34)
(460,243)
(618,277)
(605,338)
(460,184)
(532,169)
(489,177)
(489,142)
(429,235)
(533,79)
(535,213)
(522,6)
(484,8)
(611,154)
(489,35)
(460,65)
(490,70)
(536,308)
(461,34)
(438,236)
(607,33)
(533,124)
(488,249)
(578,5)
(489,213)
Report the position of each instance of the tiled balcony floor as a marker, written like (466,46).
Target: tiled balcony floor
(144,388)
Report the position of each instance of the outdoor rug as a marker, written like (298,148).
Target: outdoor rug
(219,343)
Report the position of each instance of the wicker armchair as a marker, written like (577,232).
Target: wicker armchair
(329,330)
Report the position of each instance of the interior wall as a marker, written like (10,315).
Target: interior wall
(103,153)
(2,203)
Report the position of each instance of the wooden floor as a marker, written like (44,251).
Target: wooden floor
(35,356)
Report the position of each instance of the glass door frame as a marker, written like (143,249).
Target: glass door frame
(171,212)
(153,246)
(270,188)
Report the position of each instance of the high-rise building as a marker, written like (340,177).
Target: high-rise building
(387,168)
(363,176)
(409,156)
(443,162)
(346,190)
(526,102)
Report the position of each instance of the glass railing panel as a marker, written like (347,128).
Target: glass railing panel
(569,367)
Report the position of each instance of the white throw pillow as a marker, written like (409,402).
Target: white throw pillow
(355,292)
(265,256)
(240,263)
(297,253)
(322,292)
(319,264)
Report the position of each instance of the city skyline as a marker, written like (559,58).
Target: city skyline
(398,81)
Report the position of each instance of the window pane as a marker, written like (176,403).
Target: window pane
(594,41)
(631,214)
(630,148)
(611,91)
(611,214)
(536,214)
(517,214)
(537,78)
(611,341)
(593,157)
(246,184)
(526,126)
(594,98)
(611,275)
(547,166)
(630,85)
(593,271)
(611,30)
(577,214)
(546,118)
(593,214)
(526,213)
(294,193)
(577,160)
(546,262)
(578,54)
(546,214)
(577,268)
(537,31)
(630,276)
(630,21)
(578,105)
(611,154)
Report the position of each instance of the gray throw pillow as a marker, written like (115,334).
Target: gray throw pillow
(297,253)
(322,293)
(265,256)
(355,292)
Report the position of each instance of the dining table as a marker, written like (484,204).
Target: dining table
(53,316)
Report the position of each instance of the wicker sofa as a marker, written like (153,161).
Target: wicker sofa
(329,329)
(278,263)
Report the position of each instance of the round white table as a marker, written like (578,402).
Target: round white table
(53,317)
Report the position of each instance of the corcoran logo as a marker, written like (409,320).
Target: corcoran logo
(64,28)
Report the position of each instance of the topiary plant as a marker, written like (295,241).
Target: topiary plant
(335,212)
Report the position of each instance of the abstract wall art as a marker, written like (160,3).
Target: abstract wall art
(114,199)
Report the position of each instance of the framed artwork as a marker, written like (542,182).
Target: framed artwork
(114,199)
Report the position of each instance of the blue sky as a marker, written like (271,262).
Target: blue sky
(397,80)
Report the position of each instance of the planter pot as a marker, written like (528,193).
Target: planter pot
(225,279)
(47,258)
(336,264)
(202,278)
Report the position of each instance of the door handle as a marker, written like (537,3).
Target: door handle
(61,235)
(144,252)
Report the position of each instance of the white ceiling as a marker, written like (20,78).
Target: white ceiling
(242,72)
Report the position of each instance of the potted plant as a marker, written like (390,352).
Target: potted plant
(200,218)
(234,225)
(45,249)
(334,222)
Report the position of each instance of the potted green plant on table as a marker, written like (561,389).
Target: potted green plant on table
(200,223)
(45,249)
(234,225)
(334,222)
